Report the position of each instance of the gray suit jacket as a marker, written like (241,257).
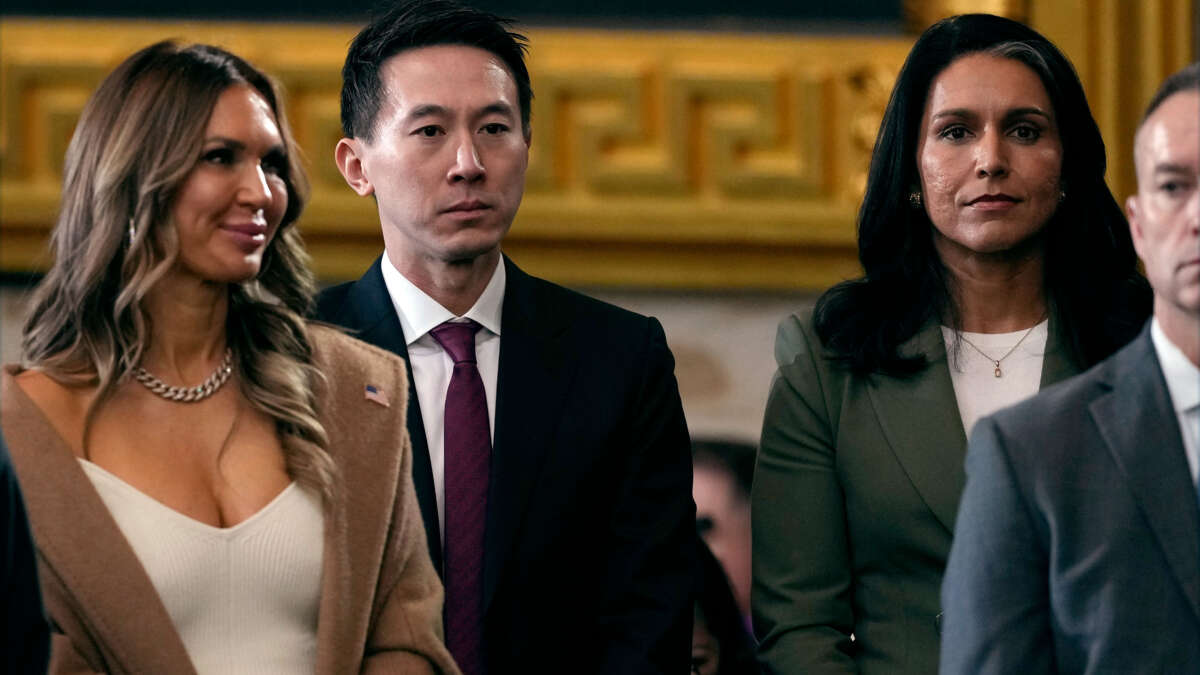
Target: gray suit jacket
(1077,546)
(855,494)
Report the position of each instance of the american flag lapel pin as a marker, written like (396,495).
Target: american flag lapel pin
(376,395)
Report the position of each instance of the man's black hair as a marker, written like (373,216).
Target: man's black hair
(423,23)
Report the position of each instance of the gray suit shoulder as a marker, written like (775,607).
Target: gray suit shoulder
(1061,403)
(1046,435)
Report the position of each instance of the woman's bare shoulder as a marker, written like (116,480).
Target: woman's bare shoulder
(64,405)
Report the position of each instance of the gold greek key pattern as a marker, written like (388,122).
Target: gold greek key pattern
(658,159)
(668,159)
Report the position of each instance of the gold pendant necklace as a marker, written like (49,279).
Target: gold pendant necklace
(997,372)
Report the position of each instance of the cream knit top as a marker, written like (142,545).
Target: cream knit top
(976,388)
(244,599)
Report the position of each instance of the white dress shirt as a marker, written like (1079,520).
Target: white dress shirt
(431,366)
(1183,384)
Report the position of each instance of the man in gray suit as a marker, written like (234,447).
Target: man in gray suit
(1077,543)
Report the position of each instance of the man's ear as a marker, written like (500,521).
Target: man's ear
(1133,213)
(348,157)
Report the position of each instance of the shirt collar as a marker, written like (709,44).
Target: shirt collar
(1182,376)
(420,313)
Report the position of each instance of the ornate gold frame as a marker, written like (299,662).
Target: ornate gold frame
(660,159)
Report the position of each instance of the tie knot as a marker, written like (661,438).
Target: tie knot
(458,339)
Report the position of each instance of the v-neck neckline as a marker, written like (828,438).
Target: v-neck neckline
(66,447)
(104,575)
(180,517)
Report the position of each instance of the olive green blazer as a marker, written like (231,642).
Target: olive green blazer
(855,493)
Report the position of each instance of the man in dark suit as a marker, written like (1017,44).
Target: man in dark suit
(1077,544)
(24,632)
(551,456)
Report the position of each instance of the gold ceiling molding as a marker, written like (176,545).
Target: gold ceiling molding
(659,159)
(920,14)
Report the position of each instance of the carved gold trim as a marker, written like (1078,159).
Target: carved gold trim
(919,14)
(670,160)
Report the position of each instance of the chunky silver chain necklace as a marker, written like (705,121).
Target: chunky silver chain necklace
(188,394)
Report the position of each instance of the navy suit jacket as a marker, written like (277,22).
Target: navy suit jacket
(589,561)
(1077,544)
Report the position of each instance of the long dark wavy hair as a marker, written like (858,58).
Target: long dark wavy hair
(137,140)
(1098,298)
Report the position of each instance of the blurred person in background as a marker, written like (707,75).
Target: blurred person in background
(720,643)
(215,485)
(721,475)
(996,262)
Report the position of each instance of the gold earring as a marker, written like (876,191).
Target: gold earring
(914,199)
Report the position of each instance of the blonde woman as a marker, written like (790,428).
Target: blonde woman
(215,485)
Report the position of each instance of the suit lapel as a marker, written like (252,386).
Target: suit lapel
(1138,423)
(534,374)
(370,315)
(920,420)
(105,577)
(333,656)
(1057,364)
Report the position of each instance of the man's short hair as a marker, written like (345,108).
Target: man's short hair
(423,23)
(1185,78)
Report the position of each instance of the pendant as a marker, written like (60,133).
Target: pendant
(997,371)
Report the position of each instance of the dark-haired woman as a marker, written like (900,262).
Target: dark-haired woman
(215,485)
(996,262)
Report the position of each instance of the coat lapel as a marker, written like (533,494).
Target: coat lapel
(369,313)
(1138,423)
(920,420)
(534,375)
(105,578)
(334,655)
(1057,364)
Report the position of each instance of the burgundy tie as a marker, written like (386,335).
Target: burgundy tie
(467,454)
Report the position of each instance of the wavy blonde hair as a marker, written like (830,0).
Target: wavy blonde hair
(137,139)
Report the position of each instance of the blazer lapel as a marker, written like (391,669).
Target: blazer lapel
(334,653)
(370,314)
(105,577)
(1057,364)
(920,420)
(534,374)
(1138,423)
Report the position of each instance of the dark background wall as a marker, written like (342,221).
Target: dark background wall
(852,15)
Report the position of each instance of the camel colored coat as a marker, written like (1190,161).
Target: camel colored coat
(381,600)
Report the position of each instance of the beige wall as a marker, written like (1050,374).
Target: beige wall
(722,344)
